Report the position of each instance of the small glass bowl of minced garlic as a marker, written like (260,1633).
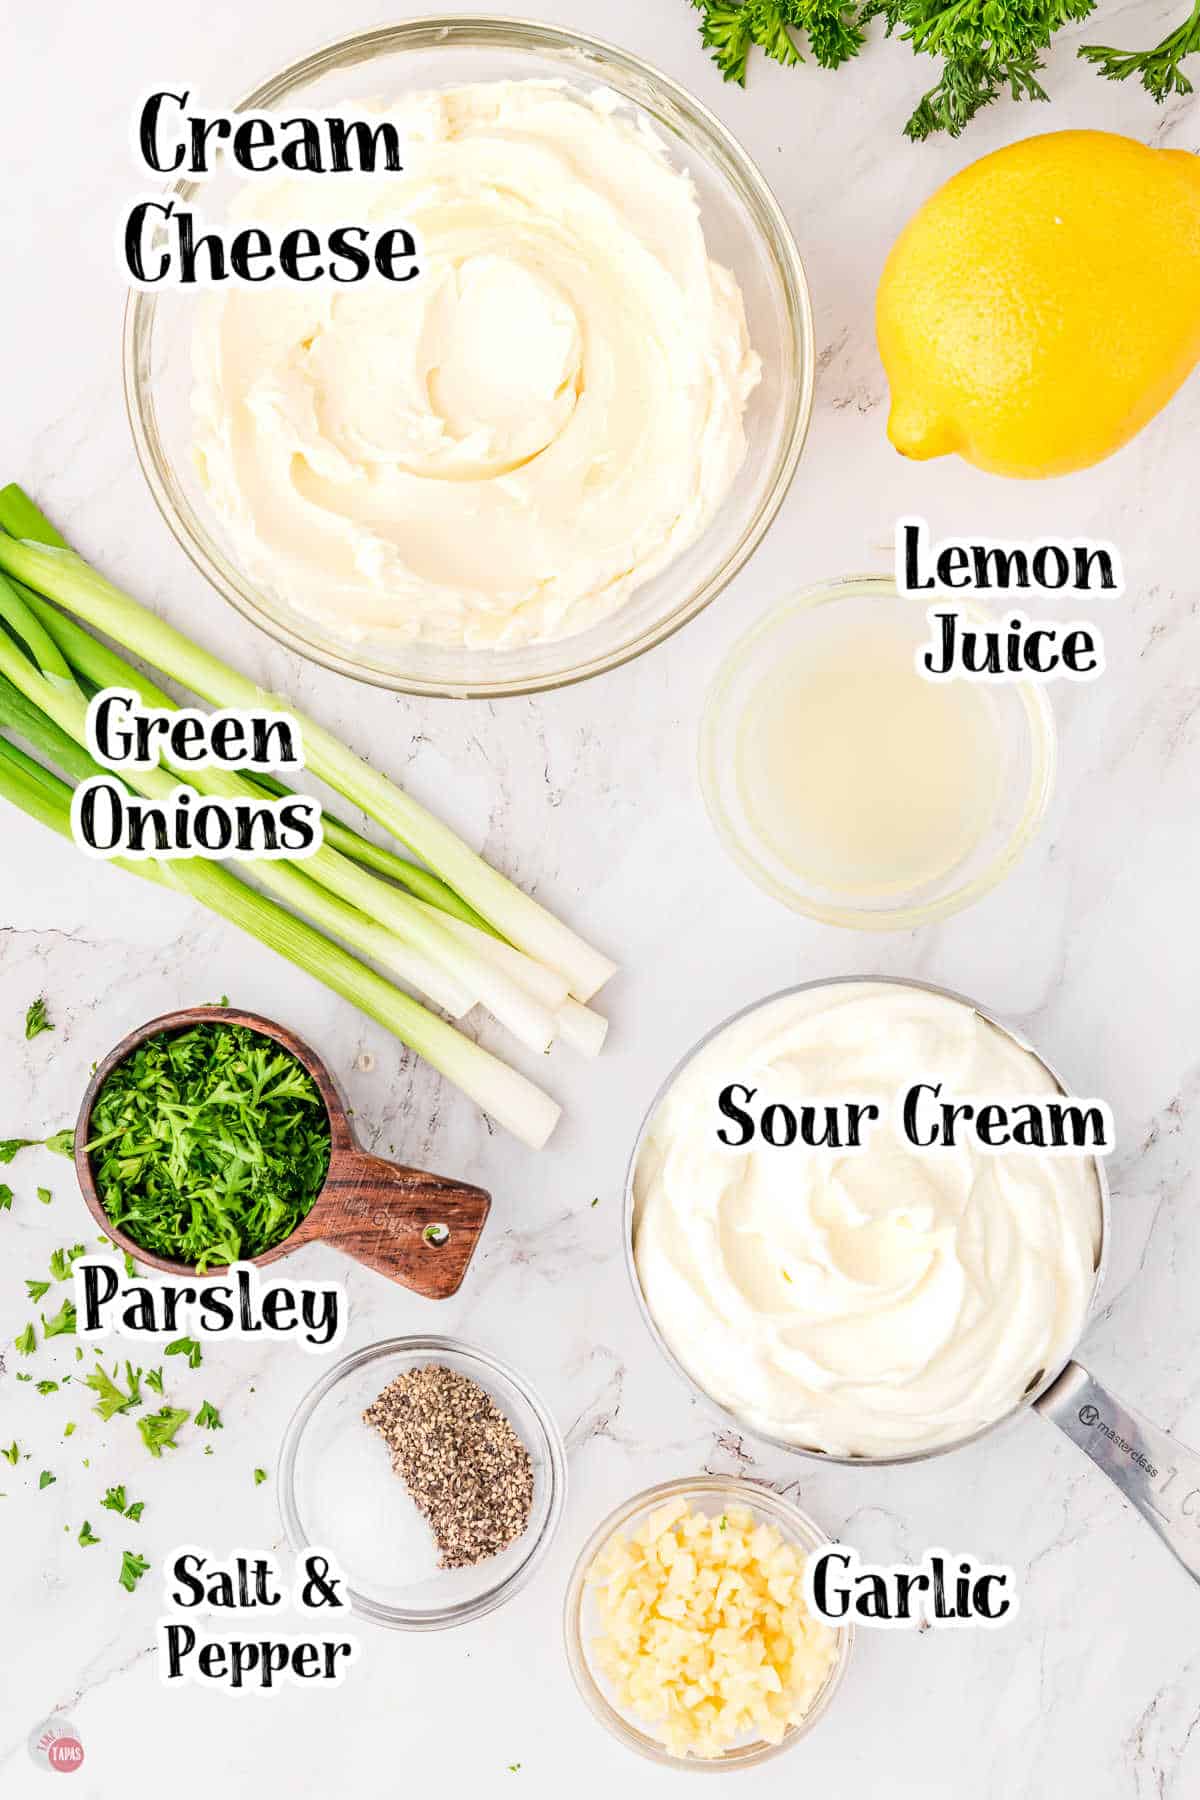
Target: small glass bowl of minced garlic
(686,1628)
(378,1457)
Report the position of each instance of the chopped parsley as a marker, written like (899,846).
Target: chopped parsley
(260,1475)
(63,1322)
(5,1197)
(45,1196)
(62,1141)
(158,1429)
(112,1398)
(35,1289)
(154,1379)
(47,1387)
(46,1479)
(27,1342)
(188,1347)
(85,1536)
(132,1569)
(12,1454)
(63,1261)
(209,1144)
(36,1020)
(209,1418)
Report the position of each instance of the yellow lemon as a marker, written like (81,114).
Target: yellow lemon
(1043,304)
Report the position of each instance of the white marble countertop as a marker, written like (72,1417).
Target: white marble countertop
(589,798)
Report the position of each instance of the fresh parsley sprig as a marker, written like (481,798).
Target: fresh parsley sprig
(777,27)
(987,47)
(1157,69)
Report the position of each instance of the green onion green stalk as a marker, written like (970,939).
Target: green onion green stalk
(458,932)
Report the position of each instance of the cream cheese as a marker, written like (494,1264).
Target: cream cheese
(869,1302)
(501,451)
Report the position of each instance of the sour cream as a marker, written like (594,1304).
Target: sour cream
(870,1302)
(501,451)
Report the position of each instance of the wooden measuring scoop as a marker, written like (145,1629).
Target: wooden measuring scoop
(418,1229)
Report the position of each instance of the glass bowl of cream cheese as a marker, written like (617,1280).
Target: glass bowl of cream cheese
(549,451)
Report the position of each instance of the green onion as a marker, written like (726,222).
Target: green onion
(441,953)
(420,929)
(103,667)
(64,577)
(498,1090)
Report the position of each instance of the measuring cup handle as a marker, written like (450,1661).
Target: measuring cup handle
(416,1228)
(1156,1473)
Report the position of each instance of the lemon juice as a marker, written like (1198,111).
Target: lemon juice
(858,774)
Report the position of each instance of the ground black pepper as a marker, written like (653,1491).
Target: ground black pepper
(460,1459)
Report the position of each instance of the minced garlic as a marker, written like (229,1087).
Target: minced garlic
(705,1634)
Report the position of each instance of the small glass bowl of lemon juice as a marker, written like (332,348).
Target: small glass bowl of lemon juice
(851,787)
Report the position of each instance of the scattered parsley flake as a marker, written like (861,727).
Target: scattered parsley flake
(135,1511)
(46,1479)
(27,1342)
(260,1475)
(68,1428)
(5,1197)
(132,1569)
(47,1387)
(63,1322)
(62,1141)
(64,1260)
(45,1196)
(35,1289)
(158,1429)
(154,1379)
(209,1418)
(12,1454)
(112,1398)
(85,1536)
(186,1346)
